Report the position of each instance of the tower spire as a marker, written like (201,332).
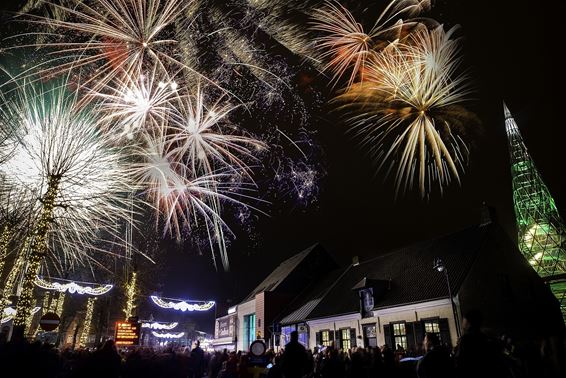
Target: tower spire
(541,231)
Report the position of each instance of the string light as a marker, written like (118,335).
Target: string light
(11,279)
(182,305)
(156,325)
(88,322)
(9,313)
(73,287)
(38,248)
(168,335)
(60,304)
(46,302)
(131,291)
(4,242)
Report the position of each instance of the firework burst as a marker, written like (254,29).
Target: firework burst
(56,139)
(345,44)
(411,101)
(132,104)
(76,180)
(204,138)
(181,199)
(109,39)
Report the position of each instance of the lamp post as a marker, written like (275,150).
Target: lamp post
(441,267)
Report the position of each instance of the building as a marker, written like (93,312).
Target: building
(395,298)
(253,317)
(225,331)
(541,230)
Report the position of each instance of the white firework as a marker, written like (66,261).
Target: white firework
(59,141)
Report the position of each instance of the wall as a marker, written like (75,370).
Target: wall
(244,309)
(333,323)
(410,313)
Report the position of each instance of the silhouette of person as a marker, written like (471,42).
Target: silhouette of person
(294,362)
(436,362)
(197,361)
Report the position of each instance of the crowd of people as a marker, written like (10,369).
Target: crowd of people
(476,355)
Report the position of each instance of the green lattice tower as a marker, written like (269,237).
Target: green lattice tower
(541,231)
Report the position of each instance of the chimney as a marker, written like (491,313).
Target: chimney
(355,261)
(488,214)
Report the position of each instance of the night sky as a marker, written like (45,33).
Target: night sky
(510,48)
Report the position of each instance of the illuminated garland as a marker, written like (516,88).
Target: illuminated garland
(182,305)
(88,322)
(11,279)
(46,302)
(4,242)
(72,287)
(156,325)
(168,335)
(131,291)
(60,303)
(9,313)
(38,248)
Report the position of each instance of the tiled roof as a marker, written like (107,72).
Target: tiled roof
(276,277)
(302,312)
(409,272)
(307,301)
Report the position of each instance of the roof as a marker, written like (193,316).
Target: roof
(307,301)
(271,282)
(409,272)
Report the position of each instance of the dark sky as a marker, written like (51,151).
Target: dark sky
(510,47)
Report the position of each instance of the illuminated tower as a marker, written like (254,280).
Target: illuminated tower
(541,231)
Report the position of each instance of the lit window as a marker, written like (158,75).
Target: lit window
(249,330)
(325,338)
(432,326)
(400,335)
(345,338)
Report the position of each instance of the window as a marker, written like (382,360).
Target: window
(286,333)
(249,330)
(400,335)
(325,337)
(345,339)
(432,326)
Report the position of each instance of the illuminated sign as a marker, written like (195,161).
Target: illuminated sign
(127,333)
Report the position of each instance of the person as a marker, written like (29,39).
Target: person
(294,362)
(436,363)
(197,362)
(105,362)
(476,354)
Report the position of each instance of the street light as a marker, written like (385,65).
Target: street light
(441,267)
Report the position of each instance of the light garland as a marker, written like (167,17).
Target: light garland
(46,302)
(88,322)
(182,305)
(131,291)
(168,335)
(11,279)
(9,313)
(60,303)
(72,287)
(4,243)
(38,248)
(156,325)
